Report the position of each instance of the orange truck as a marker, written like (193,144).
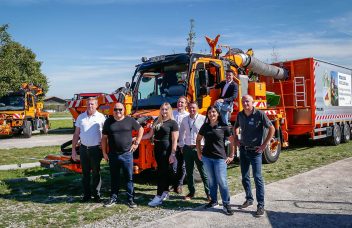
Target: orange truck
(21,112)
(306,97)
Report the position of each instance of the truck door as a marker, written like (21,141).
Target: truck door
(30,105)
(206,75)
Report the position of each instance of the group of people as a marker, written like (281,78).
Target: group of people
(181,139)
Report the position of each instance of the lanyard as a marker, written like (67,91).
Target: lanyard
(189,124)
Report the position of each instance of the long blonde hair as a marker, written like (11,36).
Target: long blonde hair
(157,124)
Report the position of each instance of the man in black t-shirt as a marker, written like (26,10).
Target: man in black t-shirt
(252,144)
(117,131)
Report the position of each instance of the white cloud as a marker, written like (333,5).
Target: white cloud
(342,24)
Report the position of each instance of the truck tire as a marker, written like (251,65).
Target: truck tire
(45,127)
(27,129)
(271,153)
(346,136)
(335,139)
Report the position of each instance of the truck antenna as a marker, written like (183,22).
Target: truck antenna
(191,37)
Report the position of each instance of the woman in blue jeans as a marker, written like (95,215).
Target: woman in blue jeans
(214,156)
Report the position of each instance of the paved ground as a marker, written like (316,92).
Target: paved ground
(37,140)
(318,198)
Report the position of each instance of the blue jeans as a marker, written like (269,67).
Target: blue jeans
(247,158)
(216,170)
(225,109)
(116,162)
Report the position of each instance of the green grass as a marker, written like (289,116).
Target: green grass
(60,114)
(61,124)
(26,155)
(55,202)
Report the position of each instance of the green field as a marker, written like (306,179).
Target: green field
(60,114)
(61,124)
(54,202)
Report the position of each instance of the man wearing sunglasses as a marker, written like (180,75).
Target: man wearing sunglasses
(117,136)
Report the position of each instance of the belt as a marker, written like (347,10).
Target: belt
(250,147)
(191,146)
(89,147)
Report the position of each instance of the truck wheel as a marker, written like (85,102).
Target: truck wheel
(272,151)
(27,129)
(45,127)
(346,136)
(335,139)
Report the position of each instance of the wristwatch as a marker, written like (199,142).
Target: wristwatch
(136,143)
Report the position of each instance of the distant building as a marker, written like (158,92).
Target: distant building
(54,104)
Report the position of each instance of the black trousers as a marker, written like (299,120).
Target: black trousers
(180,169)
(165,171)
(90,161)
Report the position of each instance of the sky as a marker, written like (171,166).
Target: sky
(94,45)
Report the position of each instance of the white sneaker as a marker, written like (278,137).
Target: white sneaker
(165,196)
(155,202)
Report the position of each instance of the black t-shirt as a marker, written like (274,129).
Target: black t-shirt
(252,127)
(120,133)
(164,132)
(214,140)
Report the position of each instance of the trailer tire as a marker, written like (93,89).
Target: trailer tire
(346,136)
(45,127)
(271,155)
(335,139)
(27,129)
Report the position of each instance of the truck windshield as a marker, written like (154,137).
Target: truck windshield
(11,103)
(160,83)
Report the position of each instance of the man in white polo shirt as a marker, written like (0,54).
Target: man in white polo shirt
(89,126)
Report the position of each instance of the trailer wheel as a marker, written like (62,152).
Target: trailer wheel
(45,127)
(273,149)
(346,136)
(27,129)
(335,139)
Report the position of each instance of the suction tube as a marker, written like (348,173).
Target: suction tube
(260,67)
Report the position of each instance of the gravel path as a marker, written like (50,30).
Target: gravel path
(318,198)
(36,140)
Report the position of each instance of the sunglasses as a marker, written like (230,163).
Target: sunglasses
(118,109)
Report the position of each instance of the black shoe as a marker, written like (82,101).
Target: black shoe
(97,199)
(246,204)
(227,209)
(260,211)
(112,201)
(211,204)
(132,204)
(85,199)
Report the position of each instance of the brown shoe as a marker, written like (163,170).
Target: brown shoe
(178,190)
(189,196)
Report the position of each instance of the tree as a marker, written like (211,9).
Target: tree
(18,65)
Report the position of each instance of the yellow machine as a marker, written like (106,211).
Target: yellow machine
(21,112)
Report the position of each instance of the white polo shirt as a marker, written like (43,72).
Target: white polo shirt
(90,128)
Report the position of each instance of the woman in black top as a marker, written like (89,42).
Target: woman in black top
(214,156)
(165,131)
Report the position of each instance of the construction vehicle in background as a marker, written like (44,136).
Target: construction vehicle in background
(306,97)
(21,112)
